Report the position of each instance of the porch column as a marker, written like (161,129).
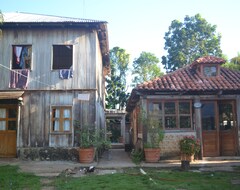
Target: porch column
(144,128)
(198,123)
(18,124)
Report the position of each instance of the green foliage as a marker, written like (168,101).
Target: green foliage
(189,40)
(234,63)
(155,179)
(189,145)
(146,68)
(116,82)
(100,142)
(155,133)
(88,136)
(85,134)
(137,156)
(12,178)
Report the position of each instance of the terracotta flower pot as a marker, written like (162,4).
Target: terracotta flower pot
(86,155)
(152,155)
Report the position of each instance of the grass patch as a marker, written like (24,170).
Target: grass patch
(11,178)
(154,179)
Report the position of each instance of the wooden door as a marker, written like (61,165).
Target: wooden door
(210,131)
(219,131)
(228,129)
(8,131)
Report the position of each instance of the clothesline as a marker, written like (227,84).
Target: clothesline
(26,76)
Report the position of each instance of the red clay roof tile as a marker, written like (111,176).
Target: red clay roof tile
(190,80)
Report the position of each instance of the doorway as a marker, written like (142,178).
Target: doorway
(219,131)
(8,131)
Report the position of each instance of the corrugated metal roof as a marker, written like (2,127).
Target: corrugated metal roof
(20,17)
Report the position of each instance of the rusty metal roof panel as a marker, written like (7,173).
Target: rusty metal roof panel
(20,17)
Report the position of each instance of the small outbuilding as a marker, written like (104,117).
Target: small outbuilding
(201,99)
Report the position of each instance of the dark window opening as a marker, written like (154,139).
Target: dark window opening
(208,116)
(62,56)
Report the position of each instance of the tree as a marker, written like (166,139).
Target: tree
(116,82)
(189,40)
(234,63)
(146,68)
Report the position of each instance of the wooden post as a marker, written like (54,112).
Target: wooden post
(198,123)
(144,128)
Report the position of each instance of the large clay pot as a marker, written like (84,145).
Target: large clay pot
(86,155)
(152,155)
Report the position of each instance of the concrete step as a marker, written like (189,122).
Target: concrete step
(117,145)
(221,158)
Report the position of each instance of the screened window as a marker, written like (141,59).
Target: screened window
(156,112)
(62,56)
(184,115)
(61,119)
(226,115)
(172,114)
(21,56)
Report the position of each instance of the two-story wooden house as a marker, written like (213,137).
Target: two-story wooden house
(52,73)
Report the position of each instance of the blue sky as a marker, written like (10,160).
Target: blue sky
(140,25)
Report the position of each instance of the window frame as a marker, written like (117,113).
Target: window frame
(210,65)
(15,59)
(61,120)
(7,118)
(177,113)
(55,66)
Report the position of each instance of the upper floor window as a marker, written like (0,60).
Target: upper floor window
(210,71)
(62,56)
(21,56)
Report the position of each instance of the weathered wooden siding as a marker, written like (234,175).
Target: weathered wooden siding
(85,59)
(45,88)
(35,125)
(100,93)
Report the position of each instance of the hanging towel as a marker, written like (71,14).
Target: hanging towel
(66,73)
(19,78)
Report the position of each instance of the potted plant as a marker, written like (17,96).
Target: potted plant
(189,146)
(155,135)
(86,137)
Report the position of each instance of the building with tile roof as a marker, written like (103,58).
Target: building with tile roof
(201,99)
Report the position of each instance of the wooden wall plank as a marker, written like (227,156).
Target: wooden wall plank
(41,75)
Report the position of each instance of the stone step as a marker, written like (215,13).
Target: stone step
(117,145)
